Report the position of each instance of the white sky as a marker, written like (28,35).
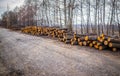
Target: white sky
(12,4)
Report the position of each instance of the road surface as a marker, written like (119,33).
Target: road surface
(42,56)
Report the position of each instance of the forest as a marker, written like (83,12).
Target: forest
(80,16)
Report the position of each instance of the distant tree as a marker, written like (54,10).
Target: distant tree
(4,19)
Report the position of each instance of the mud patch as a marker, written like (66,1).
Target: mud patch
(18,39)
(14,72)
(5,71)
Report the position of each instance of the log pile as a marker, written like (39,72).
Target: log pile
(61,33)
(114,44)
(92,40)
(67,37)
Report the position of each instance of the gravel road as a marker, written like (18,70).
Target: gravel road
(42,56)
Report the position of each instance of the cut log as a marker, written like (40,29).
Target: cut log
(80,43)
(101,40)
(79,35)
(68,36)
(81,39)
(88,42)
(96,46)
(94,42)
(114,40)
(85,43)
(99,44)
(75,39)
(64,40)
(72,39)
(86,38)
(114,45)
(91,38)
(106,42)
(98,38)
(102,35)
(114,49)
(91,44)
(109,39)
(74,43)
(102,47)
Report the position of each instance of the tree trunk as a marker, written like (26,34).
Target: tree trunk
(65,13)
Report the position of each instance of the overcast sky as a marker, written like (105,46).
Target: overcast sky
(12,4)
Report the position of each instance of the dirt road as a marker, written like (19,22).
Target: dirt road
(41,56)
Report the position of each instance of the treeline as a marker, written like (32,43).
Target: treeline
(80,16)
(8,19)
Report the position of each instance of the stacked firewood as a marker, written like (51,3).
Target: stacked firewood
(67,37)
(45,30)
(86,40)
(61,34)
(99,42)
(76,39)
(113,43)
(92,40)
(29,29)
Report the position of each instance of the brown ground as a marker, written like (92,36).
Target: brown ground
(25,55)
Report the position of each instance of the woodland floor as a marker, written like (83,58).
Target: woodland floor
(26,55)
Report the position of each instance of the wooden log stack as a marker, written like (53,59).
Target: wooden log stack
(67,37)
(114,44)
(92,40)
